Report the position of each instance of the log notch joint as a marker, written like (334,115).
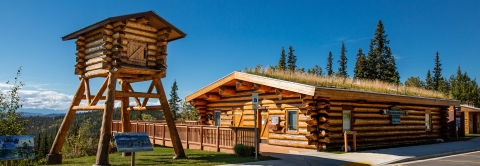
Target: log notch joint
(318,123)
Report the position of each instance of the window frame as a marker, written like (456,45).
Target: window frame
(428,114)
(215,117)
(288,119)
(347,109)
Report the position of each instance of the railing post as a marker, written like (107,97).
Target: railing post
(154,132)
(188,147)
(234,137)
(218,139)
(201,137)
(163,135)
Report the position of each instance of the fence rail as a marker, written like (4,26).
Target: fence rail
(212,138)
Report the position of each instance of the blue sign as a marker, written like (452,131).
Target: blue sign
(132,142)
(17,147)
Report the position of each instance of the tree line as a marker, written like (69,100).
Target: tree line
(380,64)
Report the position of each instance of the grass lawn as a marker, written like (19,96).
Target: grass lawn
(163,156)
(472,135)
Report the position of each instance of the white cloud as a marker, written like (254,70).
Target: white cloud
(5,86)
(45,99)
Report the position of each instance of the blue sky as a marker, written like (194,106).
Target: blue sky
(225,36)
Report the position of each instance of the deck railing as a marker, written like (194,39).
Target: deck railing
(212,138)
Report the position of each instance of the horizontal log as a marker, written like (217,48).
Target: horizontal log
(335,121)
(226,91)
(312,128)
(120,42)
(249,103)
(140,26)
(420,108)
(334,114)
(262,88)
(248,117)
(226,122)
(146,108)
(106,31)
(211,96)
(87,108)
(97,54)
(302,124)
(287,136)
(96,73)
(118,35)
(94,37)
(101,65)
(302,117)
(396,138)
(335,128)
(95,60)
(95,43)
(388,133)
(199,102)
(94,32)
(140,32)
(291,143)
(248,123)
(139,38)
(312,136)
(282,117)
(311,121)
(324,140)
(390,128)
(108,39)
(136,94)
(164,31)
(80,54)
(94,49)
(80,42)
(367,110)
(243,85)
(356,104)
(226,117)
(276,112)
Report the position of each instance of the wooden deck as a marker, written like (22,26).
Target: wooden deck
(210,138)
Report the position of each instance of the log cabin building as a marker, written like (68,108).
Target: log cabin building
(471,119)
(300,115)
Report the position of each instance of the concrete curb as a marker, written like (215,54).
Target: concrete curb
(431,156)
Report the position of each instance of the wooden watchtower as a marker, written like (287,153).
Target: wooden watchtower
(128,49)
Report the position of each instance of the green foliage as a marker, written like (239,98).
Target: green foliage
(10,120)
(414,82)
(360,70)
(188,111)
(329,64)
(342,69)
(292,59)
(464,88)
(244,150)
(429,81)
(381,63)
(83,141)
(173,101)
(437,73)
(282,63)
(316,70)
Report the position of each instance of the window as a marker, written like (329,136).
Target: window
(217,118)
(346,120)
(292,119)
(428,121)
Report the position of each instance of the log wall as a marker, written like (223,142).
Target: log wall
(114,44)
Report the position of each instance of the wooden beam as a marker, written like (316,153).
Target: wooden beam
(261,88)
(87,108)
(87,91)
(243,85)
(130,89)
(99,93)
(146,108)
(65,126)
(226,91)
(175,138)
(211,96)
(136,94)
(106,129)
(198,102)
(150,89)
(126,127)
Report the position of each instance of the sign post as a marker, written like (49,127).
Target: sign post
(132,142)
(255,107)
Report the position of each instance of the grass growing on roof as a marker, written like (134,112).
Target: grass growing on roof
(163,156)
(345,83)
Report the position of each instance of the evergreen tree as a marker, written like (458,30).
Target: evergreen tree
(282,63)
(360,65)
(292,59)
(380,59)
(329,64)
(465,89)
(428,81)
(173,101)
(414,82)
(437,73)
(342,69)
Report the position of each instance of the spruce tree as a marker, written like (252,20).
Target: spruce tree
(342,69)
(437,73)
(360,65)
(380,59)
(329,64)
(414,82)
(173,101)
(429,81)
(292,59)
(282,63)
(316,70)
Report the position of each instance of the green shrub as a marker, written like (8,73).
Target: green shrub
(244,150)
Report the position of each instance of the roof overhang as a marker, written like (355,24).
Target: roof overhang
(155,21)
(275,83)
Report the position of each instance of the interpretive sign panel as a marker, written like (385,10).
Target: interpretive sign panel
(395,115)
(132,142)
(17,147)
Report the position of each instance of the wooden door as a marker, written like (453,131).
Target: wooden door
(475,123)
(237,117)
(263,119)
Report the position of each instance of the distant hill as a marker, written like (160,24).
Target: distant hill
(32,112)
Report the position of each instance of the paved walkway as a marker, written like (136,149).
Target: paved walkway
(299,157)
